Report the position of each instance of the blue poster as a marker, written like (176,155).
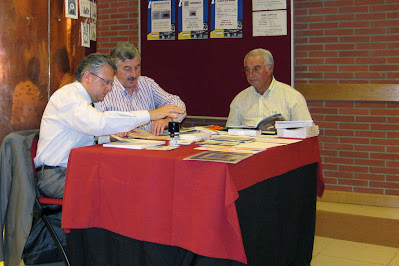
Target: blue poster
(226,19)
(193,19)
(161,20)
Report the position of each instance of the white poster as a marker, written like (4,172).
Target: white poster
(226,14)
(93,10)
(161,16)
(71,9)
(193,15)
(84,8)
(270,23)
(85,34)
(93,30)
(268,4)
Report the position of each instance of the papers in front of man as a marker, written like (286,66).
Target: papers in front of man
(136,144)
(298,133)
(142,134)
(265,124)
(223,157)
(294,124)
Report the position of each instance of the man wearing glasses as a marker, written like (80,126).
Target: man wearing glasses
(73,118)
(266,96)
(133,92)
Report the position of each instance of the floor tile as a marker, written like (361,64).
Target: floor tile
(320,243)
(324,260)
(395,260)
(360,252)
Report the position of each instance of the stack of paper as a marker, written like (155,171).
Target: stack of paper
(195,136)
(298,133)
(136,144)
(294,124)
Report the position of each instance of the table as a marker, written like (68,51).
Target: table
(156,197)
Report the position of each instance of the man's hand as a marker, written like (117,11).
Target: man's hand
(172,111)
(121,135)
(159,125)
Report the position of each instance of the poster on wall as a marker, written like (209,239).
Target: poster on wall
(71,9)
(270,23)
(93,10)
(193,19)
(84,8)
(226,19)
(85,34)
(93,30)
(268,4)
(161,20)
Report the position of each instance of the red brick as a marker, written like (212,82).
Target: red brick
(339,75)
(354,154)
(374,148)
(368,190)
(353,182)
(350,111)
(370,162)
(369,176)
(355,39)
(391,192)
(354,24)
(394,178)
(360,53)
(354,169)
(354,68)
(340,118)
(385,127)
(354,126)
(339,17)
(393,135)
(310,61)
(312,5)
(384,156)
(325,125)
(368,75)
(338,188)
(342,46)
(339,3)
(317,11)
(338,160)
(309,47)
(328,153)
(338,174)
(355,140)
(371,45)
(376,8)
(340,60)
(353,9)
(309,75)
(392,149)
(328,139)
(309,33)
(327,166)
(335,132)
(299,19)
(338,146)
(323,68)
(371,104)
(330,181)
(393,119)
(324,54)
(384,184)
(370,16)
(325,25)
(369,60)
(387,142)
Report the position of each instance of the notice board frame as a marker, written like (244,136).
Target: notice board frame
(206,73)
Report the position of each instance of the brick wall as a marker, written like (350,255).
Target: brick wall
(352,42)
(117,22)
(347,41)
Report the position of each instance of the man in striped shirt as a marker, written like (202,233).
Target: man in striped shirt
(132,92)
(266,96)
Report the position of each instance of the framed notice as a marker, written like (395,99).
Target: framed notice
(161,20)
(226,19)
(193,19)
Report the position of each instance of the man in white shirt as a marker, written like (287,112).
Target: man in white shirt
(73,118)
(132,92)
(266,96)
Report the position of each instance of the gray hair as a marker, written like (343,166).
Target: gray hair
(93,62)
(123,51)
(267,56)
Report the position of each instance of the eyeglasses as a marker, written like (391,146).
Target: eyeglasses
(108,82)
(255,70)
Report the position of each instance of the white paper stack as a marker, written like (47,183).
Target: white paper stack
(298,133)
(195,136)
(136,144)
(294,124)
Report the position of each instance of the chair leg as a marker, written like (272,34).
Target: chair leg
(53,234)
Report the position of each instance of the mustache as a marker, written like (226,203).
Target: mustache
(131,78)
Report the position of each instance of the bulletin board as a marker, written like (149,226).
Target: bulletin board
(207,73)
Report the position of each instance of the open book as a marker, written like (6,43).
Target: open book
(266,124)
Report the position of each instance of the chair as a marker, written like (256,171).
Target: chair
(19,203)
(41,202)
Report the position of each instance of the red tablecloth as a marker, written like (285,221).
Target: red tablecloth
(156,196)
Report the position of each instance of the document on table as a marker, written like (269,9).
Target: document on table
(223,157)
(136,144)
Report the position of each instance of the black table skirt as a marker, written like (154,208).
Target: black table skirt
(277,219)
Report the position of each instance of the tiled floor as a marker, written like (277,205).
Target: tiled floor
(334,252)
(330,251)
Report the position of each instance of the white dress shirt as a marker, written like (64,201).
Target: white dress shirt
(249,107)
(69,121)
(149,96)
